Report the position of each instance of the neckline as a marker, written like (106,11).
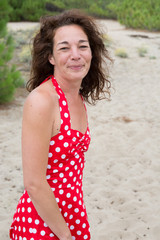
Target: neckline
(64,96)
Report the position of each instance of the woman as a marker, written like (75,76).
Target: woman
(55,132)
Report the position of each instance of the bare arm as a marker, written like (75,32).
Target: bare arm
(36,134)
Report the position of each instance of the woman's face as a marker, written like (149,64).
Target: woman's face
(71,53)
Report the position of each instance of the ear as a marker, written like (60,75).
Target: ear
(51,59)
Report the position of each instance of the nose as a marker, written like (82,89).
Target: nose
(75,54)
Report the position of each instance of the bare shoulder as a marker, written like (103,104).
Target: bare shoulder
(41,102)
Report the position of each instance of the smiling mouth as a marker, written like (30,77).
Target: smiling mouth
(76,67)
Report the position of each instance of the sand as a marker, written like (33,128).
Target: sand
(122,173)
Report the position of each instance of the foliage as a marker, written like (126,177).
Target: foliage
(25,55)
(138,14)
(142,51)
(121,52)
(27,10)
(9,77)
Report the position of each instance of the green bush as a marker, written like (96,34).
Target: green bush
(138,14)
(27,10)
(9,77)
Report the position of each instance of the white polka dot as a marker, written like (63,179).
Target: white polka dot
(24,229)
(30,230)
(75,167)
(77,134)
(60,186)
(23,200)
(80,202)
(64,180)
(78,221)
(57,200)
(82,214)
(36,221)
(51,235)
(63,156)
(76,210)
(34,230)
(73,238)
(71,216)
(45,225)
(65,214)
(66,127)
(23,219)
(84,225)
(78,232)
(29,209)
(63,203)
(61,165)
(74,139)
(69,133)
(70,206)
(57,149)
(72,163)
(77,156)
(64,103)
(61,137)
(55,181)
(67,168)
(66,115)
(55,171)
(19,228)
(50,155)
(85,236)
(61,120)
(28,200)
(52,142)
(75,199)
(66,144)
(71,174)
(55,161)
(23,209)
(68,195)
(24,238)
(48,166)
(71,227)
(61,175)
(29,220)
(74,179)
(42,233)
(61,191)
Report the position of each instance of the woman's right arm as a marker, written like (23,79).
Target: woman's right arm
(36,134)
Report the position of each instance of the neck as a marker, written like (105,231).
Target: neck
(69,87)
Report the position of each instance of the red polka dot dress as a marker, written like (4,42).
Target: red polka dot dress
(64,174)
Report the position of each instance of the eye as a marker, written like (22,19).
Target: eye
(64,48)
(83,46)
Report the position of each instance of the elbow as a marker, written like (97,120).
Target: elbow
(32,187)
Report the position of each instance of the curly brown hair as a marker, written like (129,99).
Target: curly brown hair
(96,83)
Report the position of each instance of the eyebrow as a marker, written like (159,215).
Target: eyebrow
(65,42)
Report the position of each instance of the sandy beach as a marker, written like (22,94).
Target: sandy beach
(122,172)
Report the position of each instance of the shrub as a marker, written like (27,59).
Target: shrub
(9,77)
(142,51)
(25,54)
(121,52)
(138,14)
